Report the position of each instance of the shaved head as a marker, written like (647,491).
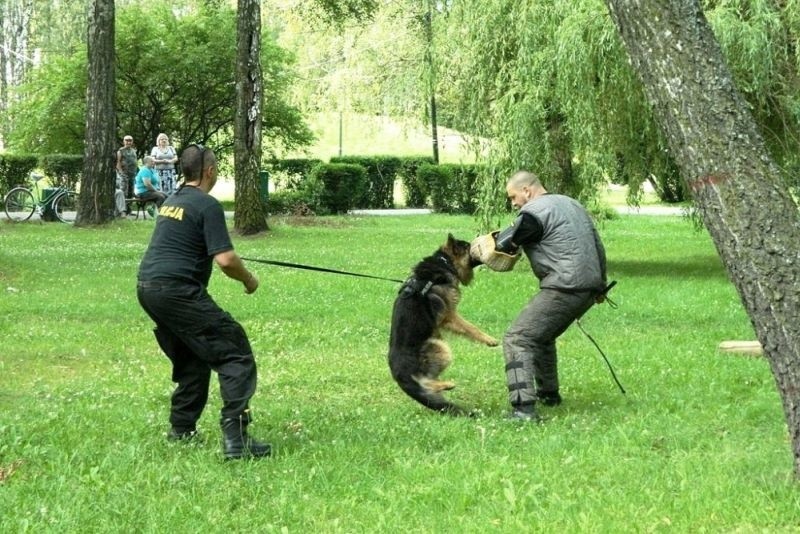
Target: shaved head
(191,158)
(522,187)
(522,179)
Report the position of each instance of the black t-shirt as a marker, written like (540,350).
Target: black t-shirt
(190,230)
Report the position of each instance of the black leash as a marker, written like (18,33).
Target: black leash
(335,271)
(320,269)
(590,338)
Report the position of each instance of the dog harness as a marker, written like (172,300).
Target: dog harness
(413,286)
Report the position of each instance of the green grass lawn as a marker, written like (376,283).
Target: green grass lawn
(699,443)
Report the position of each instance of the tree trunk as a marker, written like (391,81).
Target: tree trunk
(250,211)
(96,200)
(736,185)
(431,72)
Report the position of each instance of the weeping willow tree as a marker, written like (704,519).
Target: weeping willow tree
(760,41)
(551,92)
(546,85)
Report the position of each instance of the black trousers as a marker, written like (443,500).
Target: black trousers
(199,337)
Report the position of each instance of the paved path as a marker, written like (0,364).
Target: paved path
(624,210)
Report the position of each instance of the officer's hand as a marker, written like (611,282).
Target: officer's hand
(251,284)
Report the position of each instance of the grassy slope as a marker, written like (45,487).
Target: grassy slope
(698,444)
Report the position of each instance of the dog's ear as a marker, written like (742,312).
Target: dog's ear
(456,246)
(450,244)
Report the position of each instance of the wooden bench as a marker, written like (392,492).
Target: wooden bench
(143,207)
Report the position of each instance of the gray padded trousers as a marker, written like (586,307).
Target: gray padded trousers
(529,345)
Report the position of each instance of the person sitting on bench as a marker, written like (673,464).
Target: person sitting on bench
(146,185)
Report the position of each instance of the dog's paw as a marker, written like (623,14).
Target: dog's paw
(491,342)
(447,386)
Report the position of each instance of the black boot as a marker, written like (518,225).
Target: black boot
(237,444)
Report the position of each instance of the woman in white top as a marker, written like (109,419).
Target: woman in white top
(165,158)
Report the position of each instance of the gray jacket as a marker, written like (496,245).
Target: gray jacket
(570,255)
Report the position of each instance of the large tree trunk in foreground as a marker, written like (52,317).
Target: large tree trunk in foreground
(96,200)
(250,212)
(736,185)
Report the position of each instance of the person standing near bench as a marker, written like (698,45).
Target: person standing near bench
(165,158)
(127,168)
(192,330)
(147,185)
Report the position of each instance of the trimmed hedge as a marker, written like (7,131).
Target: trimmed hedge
(381,172)
(452,187)
(293,171)
(15,170)
(416,192)
(339,181)
(63,170)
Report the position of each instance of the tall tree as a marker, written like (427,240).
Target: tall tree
(430,63)
(15,17)
(175,74)
(95,203)
(250,212)
(723,159)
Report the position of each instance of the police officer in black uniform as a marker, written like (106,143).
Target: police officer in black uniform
(196,334)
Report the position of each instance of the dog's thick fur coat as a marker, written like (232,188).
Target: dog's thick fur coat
(426,304)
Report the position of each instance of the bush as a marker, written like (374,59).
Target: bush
(434,180)
(453,188)
(290,173)
(340,181)
(63,170)
(416,193)
(15,170)
(381,172)
(306,199)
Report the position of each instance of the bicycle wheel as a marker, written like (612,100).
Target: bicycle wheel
(65,206)
(20,204)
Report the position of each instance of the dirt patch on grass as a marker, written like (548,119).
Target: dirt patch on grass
(296,220)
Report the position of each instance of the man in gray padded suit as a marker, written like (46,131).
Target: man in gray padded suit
(566,255)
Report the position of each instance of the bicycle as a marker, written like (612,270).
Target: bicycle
(59,202)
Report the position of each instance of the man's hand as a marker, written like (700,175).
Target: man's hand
(251,284)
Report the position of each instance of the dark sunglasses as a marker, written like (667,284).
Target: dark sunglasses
(202,150)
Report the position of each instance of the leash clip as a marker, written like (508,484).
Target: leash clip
(427,288)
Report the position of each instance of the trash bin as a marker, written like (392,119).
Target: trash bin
(49,194)
(263,186)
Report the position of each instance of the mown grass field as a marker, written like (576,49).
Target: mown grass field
(698,444)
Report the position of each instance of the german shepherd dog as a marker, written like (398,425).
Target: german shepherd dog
(425,305)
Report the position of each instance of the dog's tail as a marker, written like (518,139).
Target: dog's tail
(418,388)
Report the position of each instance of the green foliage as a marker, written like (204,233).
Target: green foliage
(338,12)
(85,395)
(416,192)
(305,197)
(63,170)
(759,39)
(434,180)
(561,101)
(343,185)
(373,68)
(452,188)
(549,83)
(289,173)
(175,74)
(381,172)
(15,170)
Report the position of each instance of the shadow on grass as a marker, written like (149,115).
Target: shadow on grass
(690,267)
